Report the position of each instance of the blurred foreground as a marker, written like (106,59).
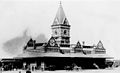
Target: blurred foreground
(115,70)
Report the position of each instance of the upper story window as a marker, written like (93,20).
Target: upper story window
(62,41)
(65,32)
(55,32)
(67,41)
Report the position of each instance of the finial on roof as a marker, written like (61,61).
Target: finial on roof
(60,3)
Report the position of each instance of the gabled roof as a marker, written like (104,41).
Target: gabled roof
(52,43)
(60,16)
(30,42)
(78,45)
(100,45)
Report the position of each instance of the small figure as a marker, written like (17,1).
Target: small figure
(28,71)
(19,71)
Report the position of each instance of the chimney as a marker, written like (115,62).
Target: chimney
(83,43)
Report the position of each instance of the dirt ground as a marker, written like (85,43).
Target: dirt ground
(116,70)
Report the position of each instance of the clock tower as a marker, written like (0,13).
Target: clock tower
(61,28)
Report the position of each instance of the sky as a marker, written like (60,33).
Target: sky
(90,20)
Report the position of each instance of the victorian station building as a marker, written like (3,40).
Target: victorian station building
(58,53)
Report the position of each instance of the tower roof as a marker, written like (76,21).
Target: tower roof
(60,16)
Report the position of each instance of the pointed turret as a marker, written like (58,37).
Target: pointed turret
(60,16)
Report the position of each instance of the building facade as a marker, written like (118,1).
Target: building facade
(58,53)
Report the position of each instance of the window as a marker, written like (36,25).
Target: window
(62,41)
(52,42)
(65,32)
(55,32)
(67,41)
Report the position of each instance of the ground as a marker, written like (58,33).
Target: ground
(116,70)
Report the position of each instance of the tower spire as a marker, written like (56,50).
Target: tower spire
(60,16)
(61,28)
